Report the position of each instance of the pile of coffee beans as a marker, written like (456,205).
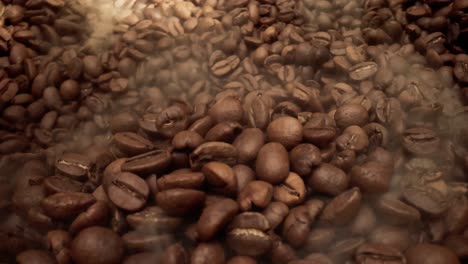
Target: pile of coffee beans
(234,131)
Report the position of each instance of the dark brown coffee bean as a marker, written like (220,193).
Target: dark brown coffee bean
(282,253)
(140,240)
(172,120)
(128,191)
(351,114)
(220,177)
(320,129)
(397,237)
(272,164)
(66,205)
(275,213)
(292,191)
(255,193)
(96,214)
(227,109)
(142,258)
(154,219)
(363,70)
(212,252)
(90,244)
(303,158)
(429,253)
(344,159)
(213,151)
(180,201)
(34,256)
(57,184)
(124,122)
(320,238)
(369,252)
(132,143)
(225,66)
(187,140)
(214,217)
(187,180)
(175,254)
(70,90)
(224,131)
(202,125)
(244,175)
(73,165)
(247,234)
(420,141)
(150,162)
(329,179)
(426,198)
(92,66)
(343,249)
(371,177)
(457,215)
(353,138)
(364,222)
(342,209)
(248,144)
(286,131)
(241,260)
(297,226)
(397,211)
(57,242)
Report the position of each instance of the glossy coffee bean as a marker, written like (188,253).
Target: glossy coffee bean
(89,245)
(128,191)
(272,164)
(286,131)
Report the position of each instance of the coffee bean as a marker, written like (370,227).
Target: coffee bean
(189,180)
(304,157)
(221,177)
(329,179)
(297,226)
(241,260)
(425,253)
(248,144)
(214,217)
(420,141)
(226,109)
(255,193)
(371,177)
(397,211)
(292,191)
(56,184)
(179,201)
(247,234)
(272,164)
(211,252)
(66,205)
(224,131)
(320,129)
(351,114)
(132,143)
(147,163)
(96,214)
(370,252)
(128,191)
(89,244)
(73,165)
(213,151)
(353,138)
(342,208)
(286,131)
(34,256)
(144,241)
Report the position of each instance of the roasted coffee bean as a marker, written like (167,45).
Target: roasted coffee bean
(296,226)
(343,208)
(153,218)
(188,180)
(221,177)
(141,240)
(73,165)
(150,162)
(57,184)
(131,143)
(34,256)
(351,114)
(397,211)
(320,238)
(275,213)
(353,138)
(371,177)
(172,120)
(247,234)
(96,214)
(66,205)
(272,164)
(224,131)
(304,158)
(329,179)
(426,253)
(57,242)
(363,70)
(292,191)
(241,260)
(180,201)
(255,193)
(285,130)
(214,217)
(248,144)
(89,245)
(227,109)
(128,191)
(368,252)
(345,248)
(187,140)
(212,252)
(213,151)
(420,141)
(320,129)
